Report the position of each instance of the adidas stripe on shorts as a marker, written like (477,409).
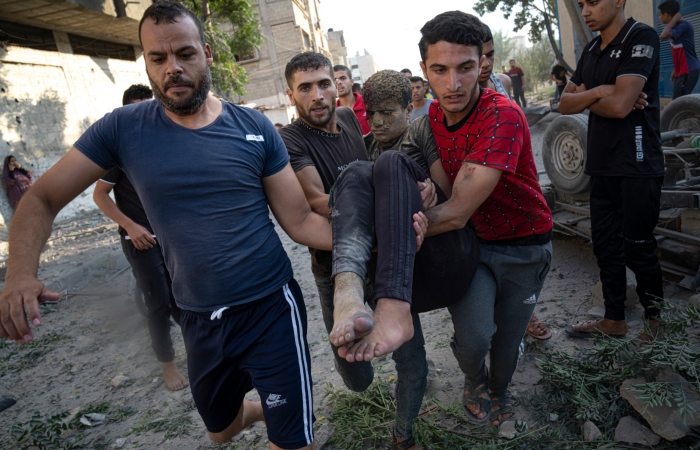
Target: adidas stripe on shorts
(261,345)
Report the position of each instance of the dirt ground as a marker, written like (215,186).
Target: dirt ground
(94,334)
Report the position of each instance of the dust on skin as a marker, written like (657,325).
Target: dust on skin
(387,96)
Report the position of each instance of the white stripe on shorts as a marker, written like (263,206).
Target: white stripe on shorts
(303,365)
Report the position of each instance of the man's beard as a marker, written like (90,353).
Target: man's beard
(183,106)
(316,122)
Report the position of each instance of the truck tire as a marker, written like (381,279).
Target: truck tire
(683,112)
(564,153)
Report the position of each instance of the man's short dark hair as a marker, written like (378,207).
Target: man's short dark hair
(455,27)
(417,79)
(340,67)
(487,34)
(670,7)
(306,61)
(511,60)
(386,85)
(356,87)
(406,71)
(167,11)
(136,92)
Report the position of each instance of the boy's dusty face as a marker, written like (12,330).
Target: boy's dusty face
(388,120)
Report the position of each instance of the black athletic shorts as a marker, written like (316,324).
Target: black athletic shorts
(259,345)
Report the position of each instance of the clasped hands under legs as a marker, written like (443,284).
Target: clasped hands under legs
(359,335)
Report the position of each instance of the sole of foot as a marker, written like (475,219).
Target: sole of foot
(393,325)
(351,321)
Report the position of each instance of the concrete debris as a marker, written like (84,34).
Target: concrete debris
(590,432)
(119,381)
(507,430)
(632,432)
(665,420)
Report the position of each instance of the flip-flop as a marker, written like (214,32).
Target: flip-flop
(588,334)
(535,327)
(473,392)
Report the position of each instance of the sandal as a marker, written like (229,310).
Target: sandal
(588,329)
(474,393)
(538,329)
(505,407)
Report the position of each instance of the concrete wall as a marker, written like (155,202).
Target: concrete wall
(47,99)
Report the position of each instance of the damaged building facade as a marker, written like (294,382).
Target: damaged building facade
(63,65)
(288,27)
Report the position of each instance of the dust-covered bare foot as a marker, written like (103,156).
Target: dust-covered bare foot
(173,379)
(393,325)
(351,321)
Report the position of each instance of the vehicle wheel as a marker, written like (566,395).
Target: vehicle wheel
(683,112)
(137,297)
(564,153)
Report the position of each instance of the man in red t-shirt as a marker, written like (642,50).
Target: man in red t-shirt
(477,144)
(346,97)
(517,80)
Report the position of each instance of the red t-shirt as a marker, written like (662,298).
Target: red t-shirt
(495,134)
(360,112)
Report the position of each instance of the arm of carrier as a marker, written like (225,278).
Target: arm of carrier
(31,228)
(474,183)
(294,214)
(140,237)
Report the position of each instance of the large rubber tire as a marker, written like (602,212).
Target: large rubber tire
(564,153)
(683,112)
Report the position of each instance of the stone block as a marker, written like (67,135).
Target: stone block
(632,432)
(665,420)
(590,432)
(632,297)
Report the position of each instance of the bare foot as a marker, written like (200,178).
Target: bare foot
(351,321)
(393,326)
(604,326)
(651,330)
(173,379)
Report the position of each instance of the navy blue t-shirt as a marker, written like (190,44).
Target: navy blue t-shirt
(203,193)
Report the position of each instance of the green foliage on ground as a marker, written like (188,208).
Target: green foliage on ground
(576,388)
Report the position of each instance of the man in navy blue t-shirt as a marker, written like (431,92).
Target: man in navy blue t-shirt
(243,317)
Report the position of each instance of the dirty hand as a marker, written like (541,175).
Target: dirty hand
(427,193)
(19,305)
(140,237)
(641,102)
(420,225)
